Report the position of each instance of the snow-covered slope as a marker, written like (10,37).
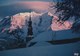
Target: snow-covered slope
(4,25)
(53,35)
(50,50)
(44,28)
(40,22)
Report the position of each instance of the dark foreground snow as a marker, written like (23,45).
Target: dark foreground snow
(50,50)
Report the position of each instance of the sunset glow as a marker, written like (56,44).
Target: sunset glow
(57,26)
(19,20)
(38,5)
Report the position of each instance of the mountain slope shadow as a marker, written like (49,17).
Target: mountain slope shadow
(64,41)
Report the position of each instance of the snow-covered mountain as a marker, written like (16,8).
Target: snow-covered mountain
(40,22)
(45,28)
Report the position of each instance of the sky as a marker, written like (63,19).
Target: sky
(10,7)
(2,2)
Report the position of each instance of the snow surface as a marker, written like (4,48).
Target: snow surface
(40,22)
(43,27)
(43,31)
(50,35)
(50,50)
